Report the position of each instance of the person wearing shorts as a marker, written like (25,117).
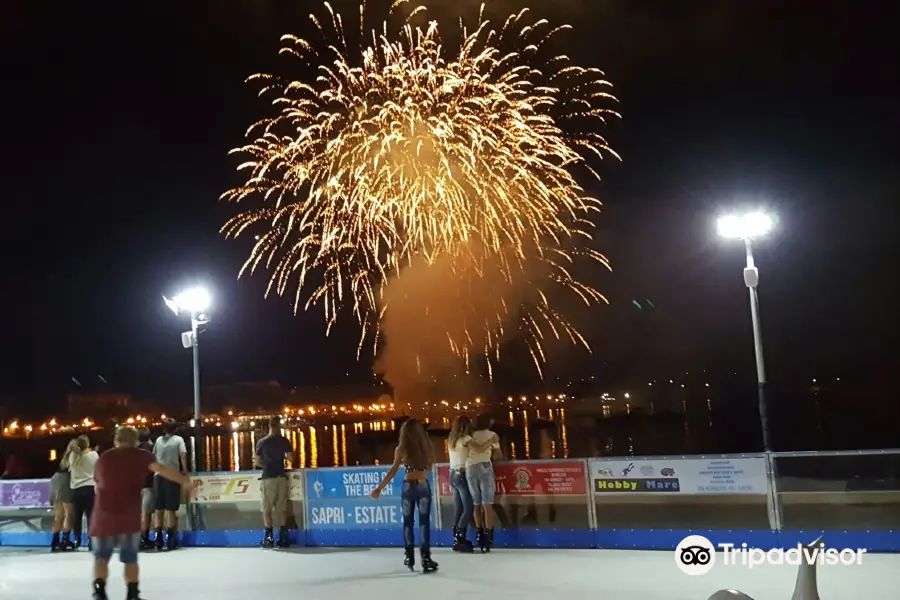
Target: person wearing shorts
(480,477)
(120,475)
(169,450)
(61,501)
(271,453)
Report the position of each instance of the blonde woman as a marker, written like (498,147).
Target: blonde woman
(459,444)
(61,500)
(81,459)
(415,453)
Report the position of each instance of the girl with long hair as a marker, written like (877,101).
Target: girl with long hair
(482,484)
(414,451)
(459,444)
(80,459)
(61,500)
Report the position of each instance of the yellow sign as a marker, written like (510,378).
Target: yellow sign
(240,487)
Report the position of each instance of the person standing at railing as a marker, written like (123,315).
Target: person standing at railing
(482,484)
(271,453)
(169,450)
(459,443)
(415,452)
(147,503)
(81,459)
(121,475)
(13,468)
(61,501)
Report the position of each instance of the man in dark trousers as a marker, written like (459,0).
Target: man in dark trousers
(120,475)
(271,453)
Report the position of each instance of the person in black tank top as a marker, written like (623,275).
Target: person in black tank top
(415,453)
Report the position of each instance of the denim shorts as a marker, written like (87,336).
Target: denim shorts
(480,477)
(127,544)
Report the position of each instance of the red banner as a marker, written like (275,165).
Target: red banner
(530,479)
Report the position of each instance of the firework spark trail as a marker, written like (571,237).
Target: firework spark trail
(396,154)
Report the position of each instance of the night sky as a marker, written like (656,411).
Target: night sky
(118,117)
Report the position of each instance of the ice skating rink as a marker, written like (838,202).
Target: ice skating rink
(378,574)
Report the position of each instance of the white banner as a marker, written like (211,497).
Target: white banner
(679,476)
(239,487)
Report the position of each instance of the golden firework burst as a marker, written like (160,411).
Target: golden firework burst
(402,149)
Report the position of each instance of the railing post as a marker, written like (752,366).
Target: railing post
(773,501)
(591,504)
(436,497)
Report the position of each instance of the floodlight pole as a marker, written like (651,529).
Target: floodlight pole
(198,422)
(751,279)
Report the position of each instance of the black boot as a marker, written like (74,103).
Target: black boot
(160,541)
(488,540)
(172,539)
(133,593)
(460,543)
(283,540)
(100,590)
(428,565)
(268,540)
(410,560)
(480,538)
(54,543)
(65,544)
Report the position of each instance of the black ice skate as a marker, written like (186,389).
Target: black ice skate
(460,543)
(488,540)
(283,540)
(268,540)
(410,560)
(172,539)
(428,565)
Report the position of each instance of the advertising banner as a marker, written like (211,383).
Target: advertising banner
(544,478)
(680,476)
(25,494)
(239,487)
(340,499)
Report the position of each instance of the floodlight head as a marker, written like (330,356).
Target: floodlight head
(194,300)
(171,304)
(745,227)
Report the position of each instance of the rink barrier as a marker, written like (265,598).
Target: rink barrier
(764,500)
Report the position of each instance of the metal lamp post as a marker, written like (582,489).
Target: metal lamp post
(194,302)
(748,227)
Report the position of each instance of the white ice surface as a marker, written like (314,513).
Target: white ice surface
(378,574)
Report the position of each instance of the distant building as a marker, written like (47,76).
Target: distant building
(99,406)
(244,397)
(270,396)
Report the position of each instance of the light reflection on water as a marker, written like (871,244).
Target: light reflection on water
(362,443)
(544,433)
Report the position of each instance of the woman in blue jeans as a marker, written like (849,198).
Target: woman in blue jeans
(415,453)
(459,443)
(480,477)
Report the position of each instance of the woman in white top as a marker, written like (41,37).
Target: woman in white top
(480,477)
(459,443)
(81,459)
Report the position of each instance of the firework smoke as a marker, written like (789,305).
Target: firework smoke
(433,192)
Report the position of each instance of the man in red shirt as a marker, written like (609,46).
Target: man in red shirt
(119,477)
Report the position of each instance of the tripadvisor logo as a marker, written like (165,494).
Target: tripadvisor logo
(696,555)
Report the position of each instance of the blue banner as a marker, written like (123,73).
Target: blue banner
(341,499)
